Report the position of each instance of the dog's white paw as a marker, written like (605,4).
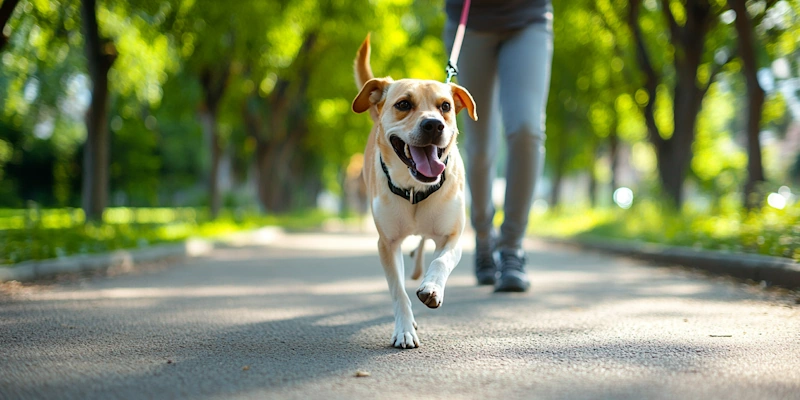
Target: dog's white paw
(405,335)
(431,294)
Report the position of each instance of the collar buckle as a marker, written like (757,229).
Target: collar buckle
(409,194)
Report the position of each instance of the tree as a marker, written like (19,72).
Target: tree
(214,82)
(278,139)
(220,42)
(589,104)
(46,92)
(755,101)
(689,27)
(6,9)
(100,56)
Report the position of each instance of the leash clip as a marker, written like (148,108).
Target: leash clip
(451,70)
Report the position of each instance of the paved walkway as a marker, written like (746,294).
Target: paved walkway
(299,318)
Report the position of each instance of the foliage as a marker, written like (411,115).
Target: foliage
(165,47)
(767,231)
(300,90)
(34,234)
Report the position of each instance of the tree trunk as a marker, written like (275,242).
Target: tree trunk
(271,151)
(208,121)
(558,175)
(100,55)
(651,77)
(613,146)
(593,178)
(252,115)
(214,82)
(279,138)
(262,172)
(6,10)
(555,193)
(277,180)
(285,173)
(674,154)
(755,103)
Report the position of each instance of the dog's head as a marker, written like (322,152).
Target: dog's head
(417,120)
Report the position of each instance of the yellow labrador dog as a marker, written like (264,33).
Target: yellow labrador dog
(415,180)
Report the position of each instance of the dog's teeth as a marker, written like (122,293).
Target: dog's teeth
(408,151)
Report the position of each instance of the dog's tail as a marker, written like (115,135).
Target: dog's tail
(419,258)
(362,68)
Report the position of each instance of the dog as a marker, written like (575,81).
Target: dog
(415,180)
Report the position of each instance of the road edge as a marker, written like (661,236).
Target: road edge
(125,260)
(773,271)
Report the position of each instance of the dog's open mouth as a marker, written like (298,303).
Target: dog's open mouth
(423,162)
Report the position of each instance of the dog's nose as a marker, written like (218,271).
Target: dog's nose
(432,127)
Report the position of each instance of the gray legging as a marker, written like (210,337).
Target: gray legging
(514,68)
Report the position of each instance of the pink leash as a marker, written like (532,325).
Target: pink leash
(452,69)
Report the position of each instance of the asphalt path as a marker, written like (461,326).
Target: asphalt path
(309,316)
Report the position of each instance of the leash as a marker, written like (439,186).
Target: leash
(452,69)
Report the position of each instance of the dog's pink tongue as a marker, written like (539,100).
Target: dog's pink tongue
(427,160)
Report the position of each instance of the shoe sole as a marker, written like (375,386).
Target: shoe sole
(513,285)
(515,289)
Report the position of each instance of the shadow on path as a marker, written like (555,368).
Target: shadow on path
(268,322)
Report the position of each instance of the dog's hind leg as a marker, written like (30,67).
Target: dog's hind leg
(448,254)
(405,328)
(419,257)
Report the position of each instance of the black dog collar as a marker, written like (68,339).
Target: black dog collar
(410,194)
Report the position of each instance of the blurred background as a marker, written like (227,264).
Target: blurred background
(131,122)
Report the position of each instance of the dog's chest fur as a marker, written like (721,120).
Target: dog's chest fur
(433,217)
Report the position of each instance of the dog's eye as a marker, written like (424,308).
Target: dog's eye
(403,105)
(445,107)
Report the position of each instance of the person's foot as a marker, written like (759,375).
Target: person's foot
(512,272)
(485,266)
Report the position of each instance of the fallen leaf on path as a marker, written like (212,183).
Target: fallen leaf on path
(362,374)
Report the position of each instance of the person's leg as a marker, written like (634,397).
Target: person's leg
(477,73)
(524,75)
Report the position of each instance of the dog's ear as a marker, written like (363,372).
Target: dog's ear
(371,94)
(464,100)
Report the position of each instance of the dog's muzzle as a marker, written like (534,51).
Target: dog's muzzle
(424,162)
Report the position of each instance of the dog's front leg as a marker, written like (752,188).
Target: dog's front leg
(448,254)
(405,328)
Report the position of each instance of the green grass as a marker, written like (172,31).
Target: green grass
(41,234)
(51,233)
(767,231)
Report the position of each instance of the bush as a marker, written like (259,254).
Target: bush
(768,231)
(33,234)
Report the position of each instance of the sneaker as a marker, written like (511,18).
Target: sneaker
(485,267)
(512,272)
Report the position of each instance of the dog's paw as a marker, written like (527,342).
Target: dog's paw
(405,336)
(431,294)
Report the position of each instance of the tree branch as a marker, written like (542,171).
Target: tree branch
(214,80)
(674,28)
(617,48)
(717,69)
(6,10)
(651,78)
